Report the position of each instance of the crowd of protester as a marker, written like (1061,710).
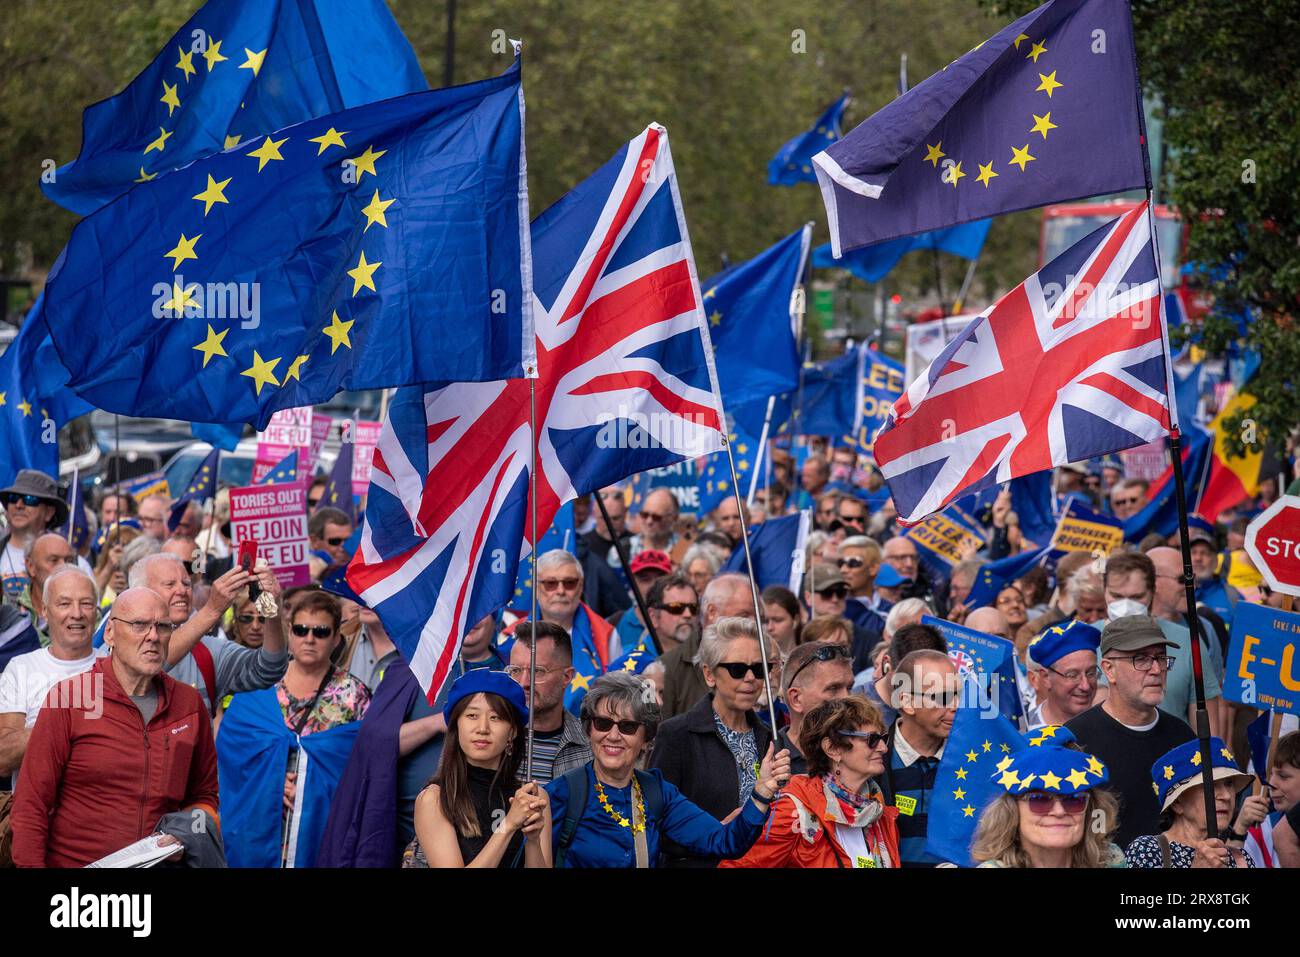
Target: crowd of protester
(152,686)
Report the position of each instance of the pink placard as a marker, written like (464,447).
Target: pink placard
(366,438)
(1147,462)
(274,516)
(288,429)
(320,428)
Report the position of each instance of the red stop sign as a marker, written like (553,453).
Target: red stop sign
(1273,543)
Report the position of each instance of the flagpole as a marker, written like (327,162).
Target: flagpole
(532,617)
(762,446)
(212,509)
(1184,539)
(625,563)
(72,497)
(966,283)
(753,587)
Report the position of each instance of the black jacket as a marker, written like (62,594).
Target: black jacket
(692,755)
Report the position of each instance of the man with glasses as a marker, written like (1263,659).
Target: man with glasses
(674,611)
(1128,731)
(327,531)
(1169,607)
(559,743)
(658,529)
(814,674)
(1063,669)
(32,505)
(154,511)
(1127,498)
(853,515)
(901,555)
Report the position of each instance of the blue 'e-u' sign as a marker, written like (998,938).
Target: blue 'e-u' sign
(1261,668)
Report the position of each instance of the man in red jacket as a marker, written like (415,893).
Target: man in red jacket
(114,749)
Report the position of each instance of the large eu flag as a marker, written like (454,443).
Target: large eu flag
(236,70)
(377,247)
(1047,110)
(793,161)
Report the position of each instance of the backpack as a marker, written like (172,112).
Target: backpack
(576,779)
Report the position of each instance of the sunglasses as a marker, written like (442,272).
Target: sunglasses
(335,542)
(873,738)
(248,619)
(626,728)
(679,607)
(850,563)
(829,653)
(1124,501)
(1040,802)
(835,591)
(320,631)
(313,502)
(550,584)
(31,501)
(655,516)
(738,669)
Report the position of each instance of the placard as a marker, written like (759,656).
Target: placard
(1261,669)
(274,516)
(365,437)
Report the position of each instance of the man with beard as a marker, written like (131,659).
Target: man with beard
(559,743)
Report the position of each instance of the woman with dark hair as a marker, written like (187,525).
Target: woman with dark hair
(247,624)
(835,815)
(784,617)
(466,817)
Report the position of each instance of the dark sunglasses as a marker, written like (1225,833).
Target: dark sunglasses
(1041,802)
(248,619)
(850,563)
(31,501)
(320,631)
(550,584)
(313,502)
(873,738)
(603,724)
(738,669)
(678,607)
(335,542)
(829,653)
(835,591)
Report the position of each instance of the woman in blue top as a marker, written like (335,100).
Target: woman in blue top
(619,815)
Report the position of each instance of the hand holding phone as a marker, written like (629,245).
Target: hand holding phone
(248,561)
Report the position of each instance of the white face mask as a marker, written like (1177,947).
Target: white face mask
(1125,608)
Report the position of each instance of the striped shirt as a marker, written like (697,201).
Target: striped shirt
(912,776)
(546,745)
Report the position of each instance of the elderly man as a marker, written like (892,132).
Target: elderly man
(658,529)
(327,531)
(71,601)
(727,596)
(859,563)
(814,674)
(876,684)
(153,514)
(900,554)
(1169,607)
(559,743)
(1128,731)
(118,748)
(212,663)
(32,505)
(45,555)
(726,519)
(1063,669)
(190,521)
(960,583)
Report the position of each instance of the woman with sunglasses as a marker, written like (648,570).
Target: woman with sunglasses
(712,753)
(836,814)
(247,624)
(1050,810)
(608,814)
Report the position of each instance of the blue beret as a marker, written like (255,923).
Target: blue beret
(1177,770)
(1055,643)
(887,576)
(489,682)
(1057,735)
(1050,768)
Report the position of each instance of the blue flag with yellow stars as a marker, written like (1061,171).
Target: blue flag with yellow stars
(377,247)
(34,401)
(286,470)
(752,319)
(234,71)
(76,529)
(1047,110)
(203,485)
(830,403)
(987,659)
(873,263)
(224,437)
(793,161)
(713,472)
(560,535)
(882,384)
(338,489)
(992,577)
(777,549)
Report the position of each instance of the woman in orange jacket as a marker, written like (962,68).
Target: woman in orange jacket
(835,815)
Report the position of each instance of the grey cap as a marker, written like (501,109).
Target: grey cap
(821,577)
(1132,633)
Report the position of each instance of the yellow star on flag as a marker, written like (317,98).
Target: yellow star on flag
(182,298)
(26,407)
(374,211)
(1006,748)
(1004,763)
(363,275)
(170,98)
(330,137)
(1009,778)
(959,794)
(292,371)
(253,61)
(1095,766)
(1027,780)
(183,250)
(971,755)
(338,332)
(1043,123)
(1077,778)
(1048,83)
(213,54)
(211,346)
(231,141)
(159,143)
(2,397)
(261,372)
(186,63)
(954,174)
(985,174)
(365,163)
(711,293)
(580,681)
(213,193)
(987,746)
(1226,753)
(145,177)
(968,811)
(269,150)
(715,318)
(1196,758)
(961,774)
(1051,780)
(933,154)
(1037,50)
(1019,157)
(1023,36)
(1049,730)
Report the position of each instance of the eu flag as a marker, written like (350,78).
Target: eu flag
(560,535)
(777,549)
(830,402)
(203,485)
(1160,514)
(752,321)
(234,71)
(34,400)
(76,530)
(377,247)
(873,263)
(882,384)
(224,437)
(994,576)
(986,664)
(793,161)
(285,471)
(713,472)
(1048,110)
(338,489)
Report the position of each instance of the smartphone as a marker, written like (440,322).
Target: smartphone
(248,561)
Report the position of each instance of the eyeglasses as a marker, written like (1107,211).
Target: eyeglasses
(335,542)
(856,520)
(851,563)
(835,591)
(313,502)
(829,653)
(738,669)
(679,607)
(1117,502)
(568,584)
(1144,662)
(141,628)
(1074,674)
(655,516)
(518,671)
(320,631)
(873,738)
(1040,802)
(31,501)
(248,619)
(626,728)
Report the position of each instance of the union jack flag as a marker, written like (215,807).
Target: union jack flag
(1070,364)
(624,382)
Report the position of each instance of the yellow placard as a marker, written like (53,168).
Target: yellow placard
(944,537)
(1076,535)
